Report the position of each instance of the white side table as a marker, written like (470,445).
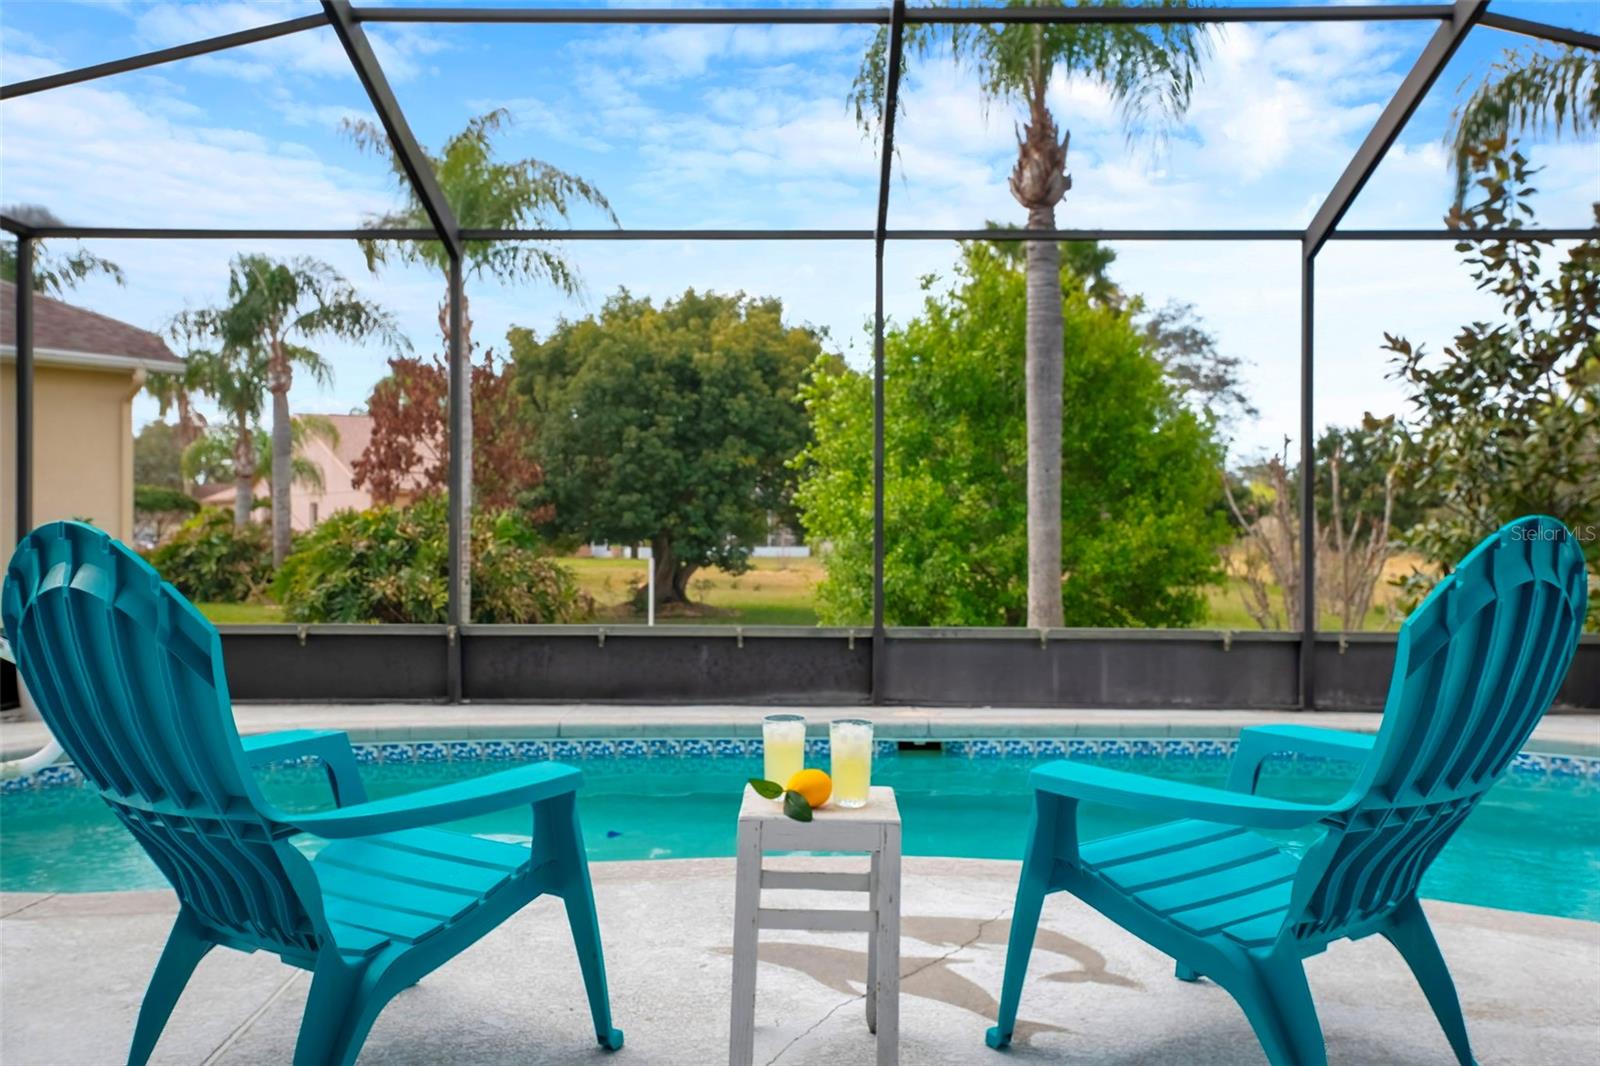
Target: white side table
(874,828)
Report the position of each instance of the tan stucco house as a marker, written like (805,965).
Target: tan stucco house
(87,370)
(310,505)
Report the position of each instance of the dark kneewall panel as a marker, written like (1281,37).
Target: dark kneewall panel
(629,664)
(723,666)
(336,663)
(1090,669)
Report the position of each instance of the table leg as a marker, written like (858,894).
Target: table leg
(872,950)
(746,903)
(886,901)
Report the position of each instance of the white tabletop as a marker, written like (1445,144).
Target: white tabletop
(881,809)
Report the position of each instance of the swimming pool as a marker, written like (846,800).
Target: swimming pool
(1533,844)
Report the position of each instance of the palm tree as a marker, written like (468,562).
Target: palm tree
(1527,91)
(271,302)
(176,392)
(53,275)
(484,193)
(1149,71)
(217,454)
(235,377)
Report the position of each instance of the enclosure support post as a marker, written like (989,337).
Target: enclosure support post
(459,610)
(24,419)
(891,96)
(1308,490)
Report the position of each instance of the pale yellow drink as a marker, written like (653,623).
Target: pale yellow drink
(850,747)
(783,746)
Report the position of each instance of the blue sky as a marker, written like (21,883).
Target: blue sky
(748,127)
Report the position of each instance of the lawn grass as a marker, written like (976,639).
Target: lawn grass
(773,592)
(779,592)
(225,614)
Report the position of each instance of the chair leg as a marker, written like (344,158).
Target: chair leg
(340,1010)
(560,817)
(1277,1000)
(872,954)
(186,946)
(1037,863)
(1185,973)
(1409,932)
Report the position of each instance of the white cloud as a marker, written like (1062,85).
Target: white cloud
(399,48)
(675,53)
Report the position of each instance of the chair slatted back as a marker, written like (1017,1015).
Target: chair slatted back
(128,676)
(1477,664)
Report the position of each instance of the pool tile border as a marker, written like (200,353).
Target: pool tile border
(1526,764)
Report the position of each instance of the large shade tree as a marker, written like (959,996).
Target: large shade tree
(670,425)
(1141,527)
(275,304)
(1149,71)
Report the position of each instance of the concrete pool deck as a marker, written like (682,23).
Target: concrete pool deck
(1566,733)
(73,970)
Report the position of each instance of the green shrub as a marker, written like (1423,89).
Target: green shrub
(211,561)
(391,564)
(159,499)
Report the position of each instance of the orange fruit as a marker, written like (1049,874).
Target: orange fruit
(815,785)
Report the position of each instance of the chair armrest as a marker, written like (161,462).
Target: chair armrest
(1175,799)
(330,745)
(445,803)
(1259,743)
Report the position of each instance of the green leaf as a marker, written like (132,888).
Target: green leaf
(766,789)
(796,807)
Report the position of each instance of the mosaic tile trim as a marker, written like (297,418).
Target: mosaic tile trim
(577,750)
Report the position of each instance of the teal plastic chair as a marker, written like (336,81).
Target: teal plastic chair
(129,676)
(1477,664)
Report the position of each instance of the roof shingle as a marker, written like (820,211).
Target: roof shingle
(62,327)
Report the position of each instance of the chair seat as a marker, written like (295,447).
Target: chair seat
(1204,877)
(403,887)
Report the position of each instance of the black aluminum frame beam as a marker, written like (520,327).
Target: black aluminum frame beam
(1307,681)
(891,104)
(163,55)
(23,421)
(412,159)
(157,233)
(1543,31)
(1555,233)
(1429,65)
(881,16)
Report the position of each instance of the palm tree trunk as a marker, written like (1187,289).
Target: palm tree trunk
(1044,373)
(1038,183)
(244,472)
(280,375)
(186,435)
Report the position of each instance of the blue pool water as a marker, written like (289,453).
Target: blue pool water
(1533,844)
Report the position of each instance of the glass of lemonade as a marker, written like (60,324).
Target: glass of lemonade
(850,744)
(783,746)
